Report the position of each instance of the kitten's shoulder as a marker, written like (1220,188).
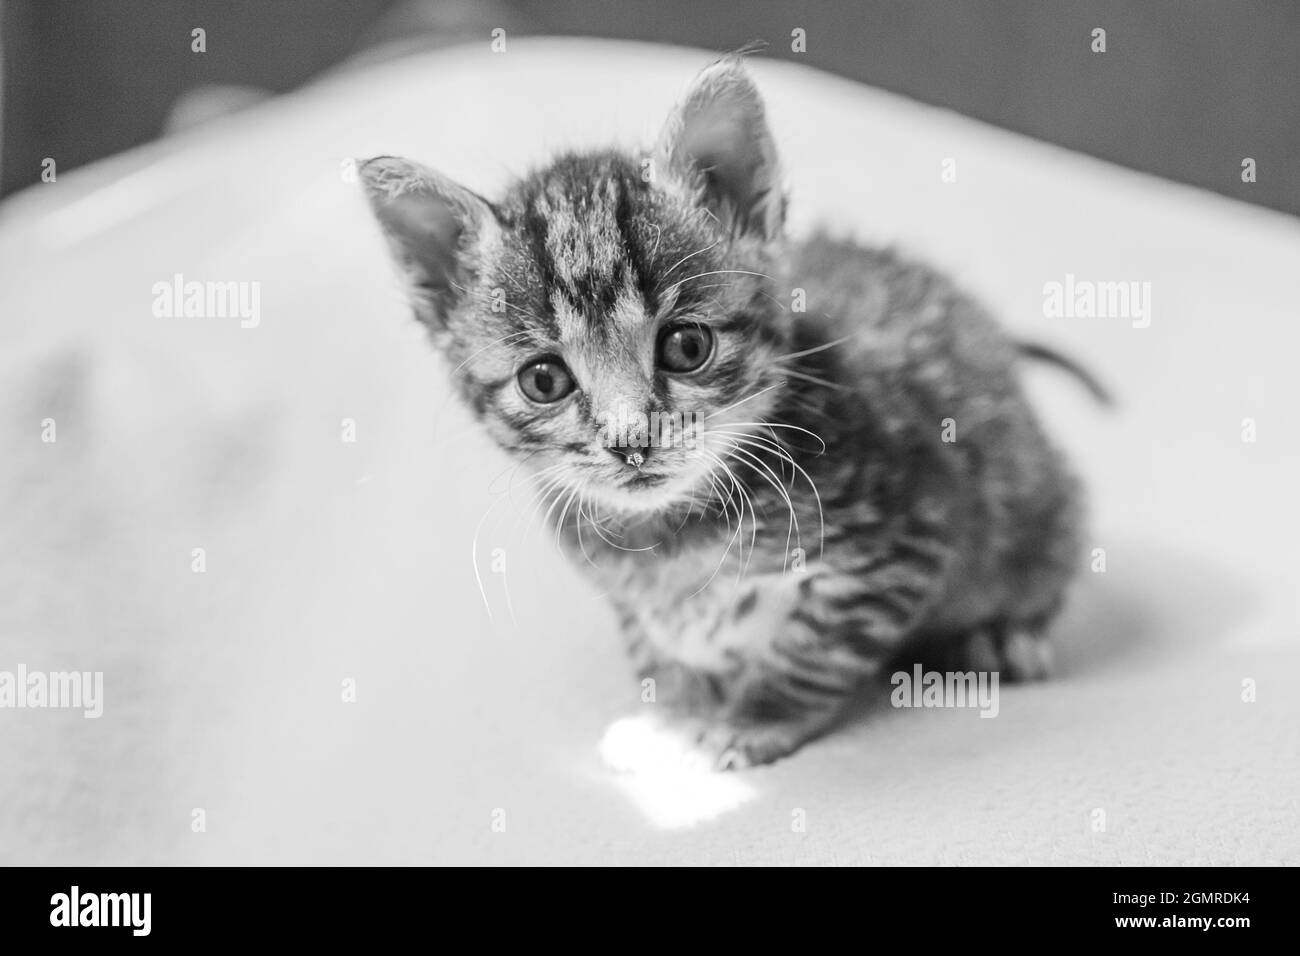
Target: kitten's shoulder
(849,267)
(900,319)
(854,285)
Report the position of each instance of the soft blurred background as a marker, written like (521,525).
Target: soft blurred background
(334,561)
(1185,90)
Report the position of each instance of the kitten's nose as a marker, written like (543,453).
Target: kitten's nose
(634,455)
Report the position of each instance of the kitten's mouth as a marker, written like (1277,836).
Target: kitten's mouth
(642,480)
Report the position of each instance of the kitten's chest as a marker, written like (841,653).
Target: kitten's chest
(704,608)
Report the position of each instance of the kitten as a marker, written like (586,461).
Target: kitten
(835,482)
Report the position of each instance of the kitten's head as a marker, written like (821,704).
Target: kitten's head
(609,295)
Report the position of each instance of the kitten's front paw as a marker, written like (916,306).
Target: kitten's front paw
(737,749)
(653,742)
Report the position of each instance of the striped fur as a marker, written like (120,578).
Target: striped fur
(823,520)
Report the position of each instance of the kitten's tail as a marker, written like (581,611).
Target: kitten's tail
(1041,353)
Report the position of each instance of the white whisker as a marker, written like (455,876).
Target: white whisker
(748,398)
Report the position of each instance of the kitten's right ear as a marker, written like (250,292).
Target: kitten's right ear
(435,229)
(718,143)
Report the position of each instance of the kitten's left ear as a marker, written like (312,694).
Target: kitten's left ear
(435,229)
(717,143)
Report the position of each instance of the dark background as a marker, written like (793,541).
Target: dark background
(1186,89)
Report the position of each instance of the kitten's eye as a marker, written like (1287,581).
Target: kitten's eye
(684,348)
(546,381)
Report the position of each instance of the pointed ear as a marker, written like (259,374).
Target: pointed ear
(435,229)
(717,143)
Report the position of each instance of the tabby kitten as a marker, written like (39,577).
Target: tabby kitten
(834,482)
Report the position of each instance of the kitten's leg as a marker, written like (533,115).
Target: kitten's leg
(712,721)
(804,683)
(796,648)
(843,628)
(1025,652)
(797,693)
(1018,651)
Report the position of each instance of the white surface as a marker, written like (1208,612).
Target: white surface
(328,561)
